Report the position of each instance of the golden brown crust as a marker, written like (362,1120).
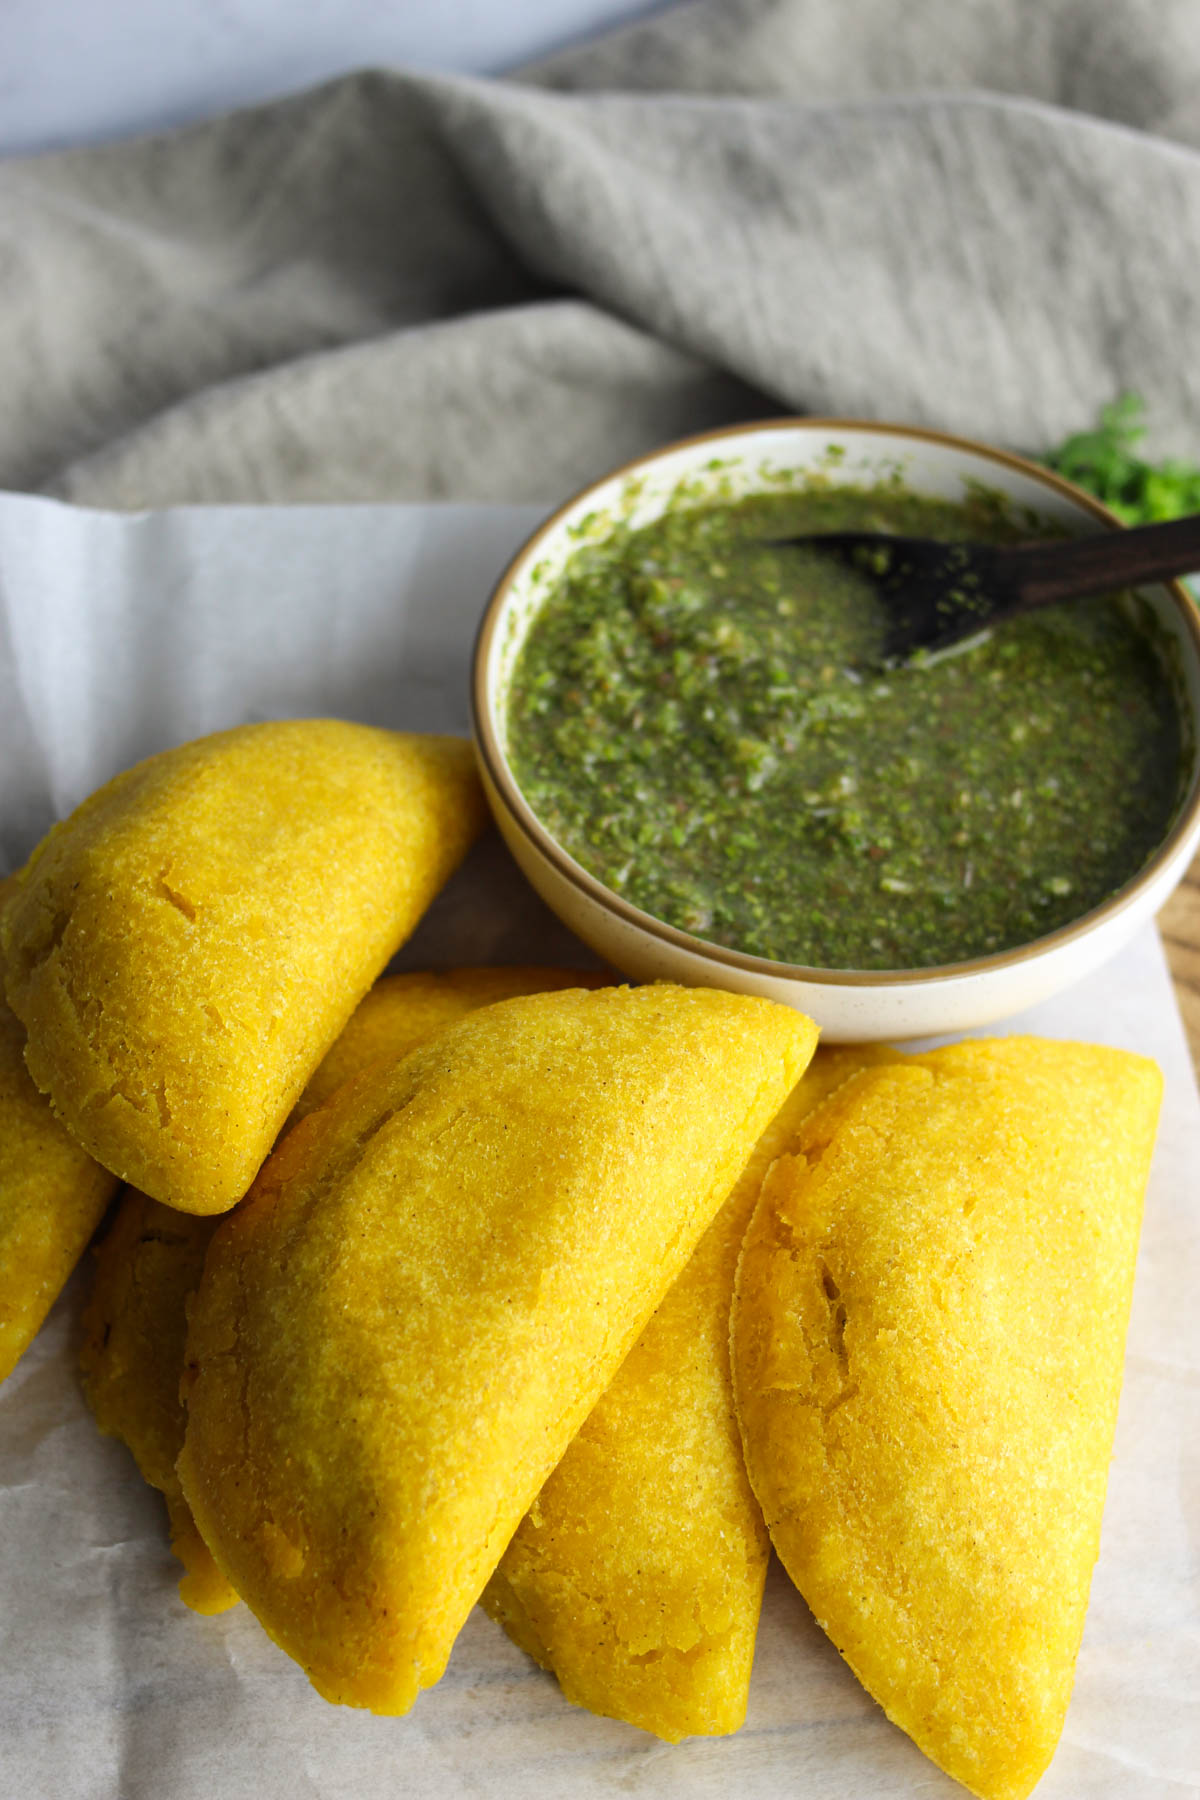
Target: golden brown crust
(929,1323)
(185,948)
(52,1197)
(152,1256)
(135,1329)
(432,1282)
(637,1574)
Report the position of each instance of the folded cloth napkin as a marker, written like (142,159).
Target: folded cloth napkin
(974,214)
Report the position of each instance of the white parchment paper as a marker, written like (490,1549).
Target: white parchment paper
(119,636)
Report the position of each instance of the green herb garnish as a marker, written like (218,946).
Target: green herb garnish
(1105,461)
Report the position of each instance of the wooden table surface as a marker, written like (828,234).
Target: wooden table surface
(1179,922)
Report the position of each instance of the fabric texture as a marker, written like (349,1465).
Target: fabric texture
(973,214)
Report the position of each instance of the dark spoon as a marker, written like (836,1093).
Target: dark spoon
(934,594)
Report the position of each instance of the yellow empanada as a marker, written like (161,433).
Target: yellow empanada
(432,1282)
(52,1197)
(184,949)
(637,1574)
(928,1332)
(150,1262)
(135,1326)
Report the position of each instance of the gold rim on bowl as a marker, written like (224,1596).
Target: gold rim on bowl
(495,762)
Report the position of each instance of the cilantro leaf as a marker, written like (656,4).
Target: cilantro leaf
(1105,461)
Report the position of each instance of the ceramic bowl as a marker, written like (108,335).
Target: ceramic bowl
(848,1005)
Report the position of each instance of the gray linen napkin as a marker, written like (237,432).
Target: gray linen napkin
(976,214)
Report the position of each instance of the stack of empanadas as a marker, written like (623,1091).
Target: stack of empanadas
(179,955)
(464,1332)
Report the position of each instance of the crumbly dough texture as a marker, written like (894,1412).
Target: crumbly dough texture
(135,1329)
(152,1256)
(184,949)
(637,1574)
(928,1334)
(52,1197)
(434,1280)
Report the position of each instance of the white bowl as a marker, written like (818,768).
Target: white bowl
(848,1006)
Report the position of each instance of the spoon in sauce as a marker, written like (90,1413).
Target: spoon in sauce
(936,593)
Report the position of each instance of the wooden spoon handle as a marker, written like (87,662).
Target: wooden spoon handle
(1044,573)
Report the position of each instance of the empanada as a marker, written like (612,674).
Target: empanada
(431,1284)
(637,1574)
(135,1328)
(52,1197)
(185,948)
(927,1346)
(151,1259)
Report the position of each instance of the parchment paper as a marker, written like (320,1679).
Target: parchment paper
(119,636)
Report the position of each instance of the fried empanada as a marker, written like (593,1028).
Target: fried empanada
(928,1333)
(150,1261)
(432,1282)
(637,1574)
(184,949)
(52,1197)
(135,1328)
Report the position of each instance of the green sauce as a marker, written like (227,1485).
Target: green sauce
(700,720)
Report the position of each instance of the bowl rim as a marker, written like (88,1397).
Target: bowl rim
(521,814)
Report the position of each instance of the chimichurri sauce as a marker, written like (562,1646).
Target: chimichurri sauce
(700,720)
